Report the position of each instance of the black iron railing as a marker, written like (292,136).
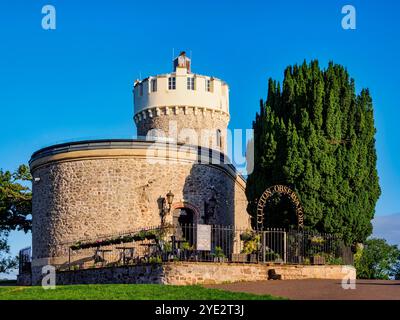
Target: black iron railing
(24,260)
(214,243)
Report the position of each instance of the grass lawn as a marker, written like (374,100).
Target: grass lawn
(124,292)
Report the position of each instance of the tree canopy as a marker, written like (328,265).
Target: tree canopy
(15,200)
(316,135)
(15,208)
(378,260)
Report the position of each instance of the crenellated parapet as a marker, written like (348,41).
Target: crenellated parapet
(181,110)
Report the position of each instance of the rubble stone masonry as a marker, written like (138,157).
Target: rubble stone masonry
(94,192)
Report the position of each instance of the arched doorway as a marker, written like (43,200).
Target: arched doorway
(281,190)
(183,221)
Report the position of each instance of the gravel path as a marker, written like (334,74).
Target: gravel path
(319,289)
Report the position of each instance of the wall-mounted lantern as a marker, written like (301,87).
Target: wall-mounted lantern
(167,204)
(210,206)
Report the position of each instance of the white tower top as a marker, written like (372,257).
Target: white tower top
(181,88)
(195,102)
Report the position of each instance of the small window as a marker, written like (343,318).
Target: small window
(219,139)
(153,85)
(141,89)
(171,83)
(208,85)
(190,83)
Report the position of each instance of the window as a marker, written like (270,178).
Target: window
(141,89)
(153,85)
(171,83)
(190,83)
(219,139)
(208,85)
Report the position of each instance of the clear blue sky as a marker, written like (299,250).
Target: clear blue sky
(75,82)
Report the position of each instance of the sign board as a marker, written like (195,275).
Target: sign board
(203,237)
(281,189)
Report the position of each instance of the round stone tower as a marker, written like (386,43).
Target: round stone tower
(98,188)
(183,106)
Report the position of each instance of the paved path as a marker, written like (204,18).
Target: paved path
(319,289)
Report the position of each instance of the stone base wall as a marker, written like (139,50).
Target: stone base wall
(24,279)
(189,273)
(297,272)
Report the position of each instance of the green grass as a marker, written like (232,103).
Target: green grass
(124,292)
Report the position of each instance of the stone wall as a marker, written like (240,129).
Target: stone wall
(189,273)
(184,124)
(87,194)
(24,279)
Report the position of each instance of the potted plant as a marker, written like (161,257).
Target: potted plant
(185,246)
(76,246)
(167,247)
(150,235)
(167,251)
(125,239)
(164,232)
(317,259)
(155,260)
(251,247)
(253,258)
(218,254)
(246,236)
(239,257)
(140,236)
(106,242)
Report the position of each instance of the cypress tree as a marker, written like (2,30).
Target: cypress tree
(316,135)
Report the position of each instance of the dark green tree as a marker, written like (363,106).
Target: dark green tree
(7,262)
(15,208)
(316,135)
(377,260)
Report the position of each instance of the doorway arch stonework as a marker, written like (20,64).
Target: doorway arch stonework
(188,205)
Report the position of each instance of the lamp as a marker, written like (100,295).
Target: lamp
(210,208)
(167,200)
(170,199)
(212,204)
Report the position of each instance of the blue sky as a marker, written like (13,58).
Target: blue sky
(75,82)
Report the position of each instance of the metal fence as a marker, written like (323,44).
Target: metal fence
(217,244)
(24,260)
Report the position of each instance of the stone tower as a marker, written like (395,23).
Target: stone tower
(183,106)
(93,189)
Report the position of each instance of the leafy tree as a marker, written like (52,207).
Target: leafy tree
(316,135)
(15,200)
(377,260)
(15,208)
(397,272)
(7,263)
